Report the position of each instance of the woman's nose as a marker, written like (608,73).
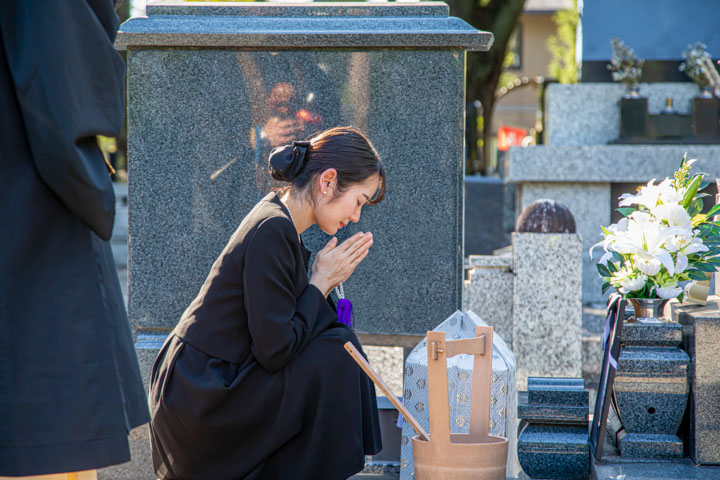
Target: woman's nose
(356,215)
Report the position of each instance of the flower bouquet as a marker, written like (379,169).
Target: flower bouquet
(663,240)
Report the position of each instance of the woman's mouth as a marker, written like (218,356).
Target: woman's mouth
(342,225)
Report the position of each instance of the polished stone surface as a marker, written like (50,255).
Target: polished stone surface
(503,400)
(547,305)
(553,414)
(678,470)
(590,205)
(554,441)
(701,339)
(589,113)
(591,164)
(558,394)
(489,214)
(648,334)
(639,445)
(558,452)
(195,170)
(333,25)
(488,290)
(651,388)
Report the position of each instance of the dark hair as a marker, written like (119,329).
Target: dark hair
(345,149)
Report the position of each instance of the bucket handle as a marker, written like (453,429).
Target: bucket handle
(439,350)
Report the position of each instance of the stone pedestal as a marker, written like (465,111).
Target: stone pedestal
(547,305)
(701,340)
(503,403)
(651,388)
(554,440)
(488,289)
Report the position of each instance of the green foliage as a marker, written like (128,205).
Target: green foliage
(561,45)
(506,76)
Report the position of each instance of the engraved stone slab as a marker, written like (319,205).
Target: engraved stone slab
(503,400)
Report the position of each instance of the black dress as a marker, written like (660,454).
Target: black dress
(70,385)
(254,382)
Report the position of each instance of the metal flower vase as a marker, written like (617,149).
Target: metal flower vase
(651,384)
(476,455)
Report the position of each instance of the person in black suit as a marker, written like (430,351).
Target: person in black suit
(254,382)
(70,385)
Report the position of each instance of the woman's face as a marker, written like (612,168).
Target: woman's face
(334,211)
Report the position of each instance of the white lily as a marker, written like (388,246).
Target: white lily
(646,237)
(668,292)
(673,213)
(647,264)
(681,263)
(695,246)
(633,284)
(647,196)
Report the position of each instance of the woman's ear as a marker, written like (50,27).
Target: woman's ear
(327,180)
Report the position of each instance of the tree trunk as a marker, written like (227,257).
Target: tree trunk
(484,68)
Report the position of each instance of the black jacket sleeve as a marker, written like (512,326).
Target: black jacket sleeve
(69,82)
(280,324)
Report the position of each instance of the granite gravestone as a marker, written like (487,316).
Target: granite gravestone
(503,402)
(208,82)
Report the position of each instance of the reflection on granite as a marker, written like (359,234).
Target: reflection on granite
(201,126)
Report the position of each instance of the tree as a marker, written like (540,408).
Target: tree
(561,45)
(484,68)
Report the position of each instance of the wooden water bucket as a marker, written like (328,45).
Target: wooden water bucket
(476,455)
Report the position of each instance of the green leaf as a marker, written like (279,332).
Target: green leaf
(705,267)
(603,270)
(695,275)
(626,211)
(714,210)
(605,287)
(703,186)
(696,207)
(692,189)
(612,267)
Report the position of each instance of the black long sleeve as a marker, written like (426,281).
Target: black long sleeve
(280,324)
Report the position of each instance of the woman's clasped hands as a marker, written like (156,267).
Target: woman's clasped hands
(335,263)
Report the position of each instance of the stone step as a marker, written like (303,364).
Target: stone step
(557,391)
(641,445)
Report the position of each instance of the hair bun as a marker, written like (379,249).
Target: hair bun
(287,162)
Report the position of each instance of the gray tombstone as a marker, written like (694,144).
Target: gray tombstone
(205,84)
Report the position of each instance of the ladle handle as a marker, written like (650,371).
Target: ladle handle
(357,356)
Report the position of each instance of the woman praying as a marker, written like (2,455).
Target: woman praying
(254,382)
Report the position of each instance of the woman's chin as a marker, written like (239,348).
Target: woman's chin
(329,231)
